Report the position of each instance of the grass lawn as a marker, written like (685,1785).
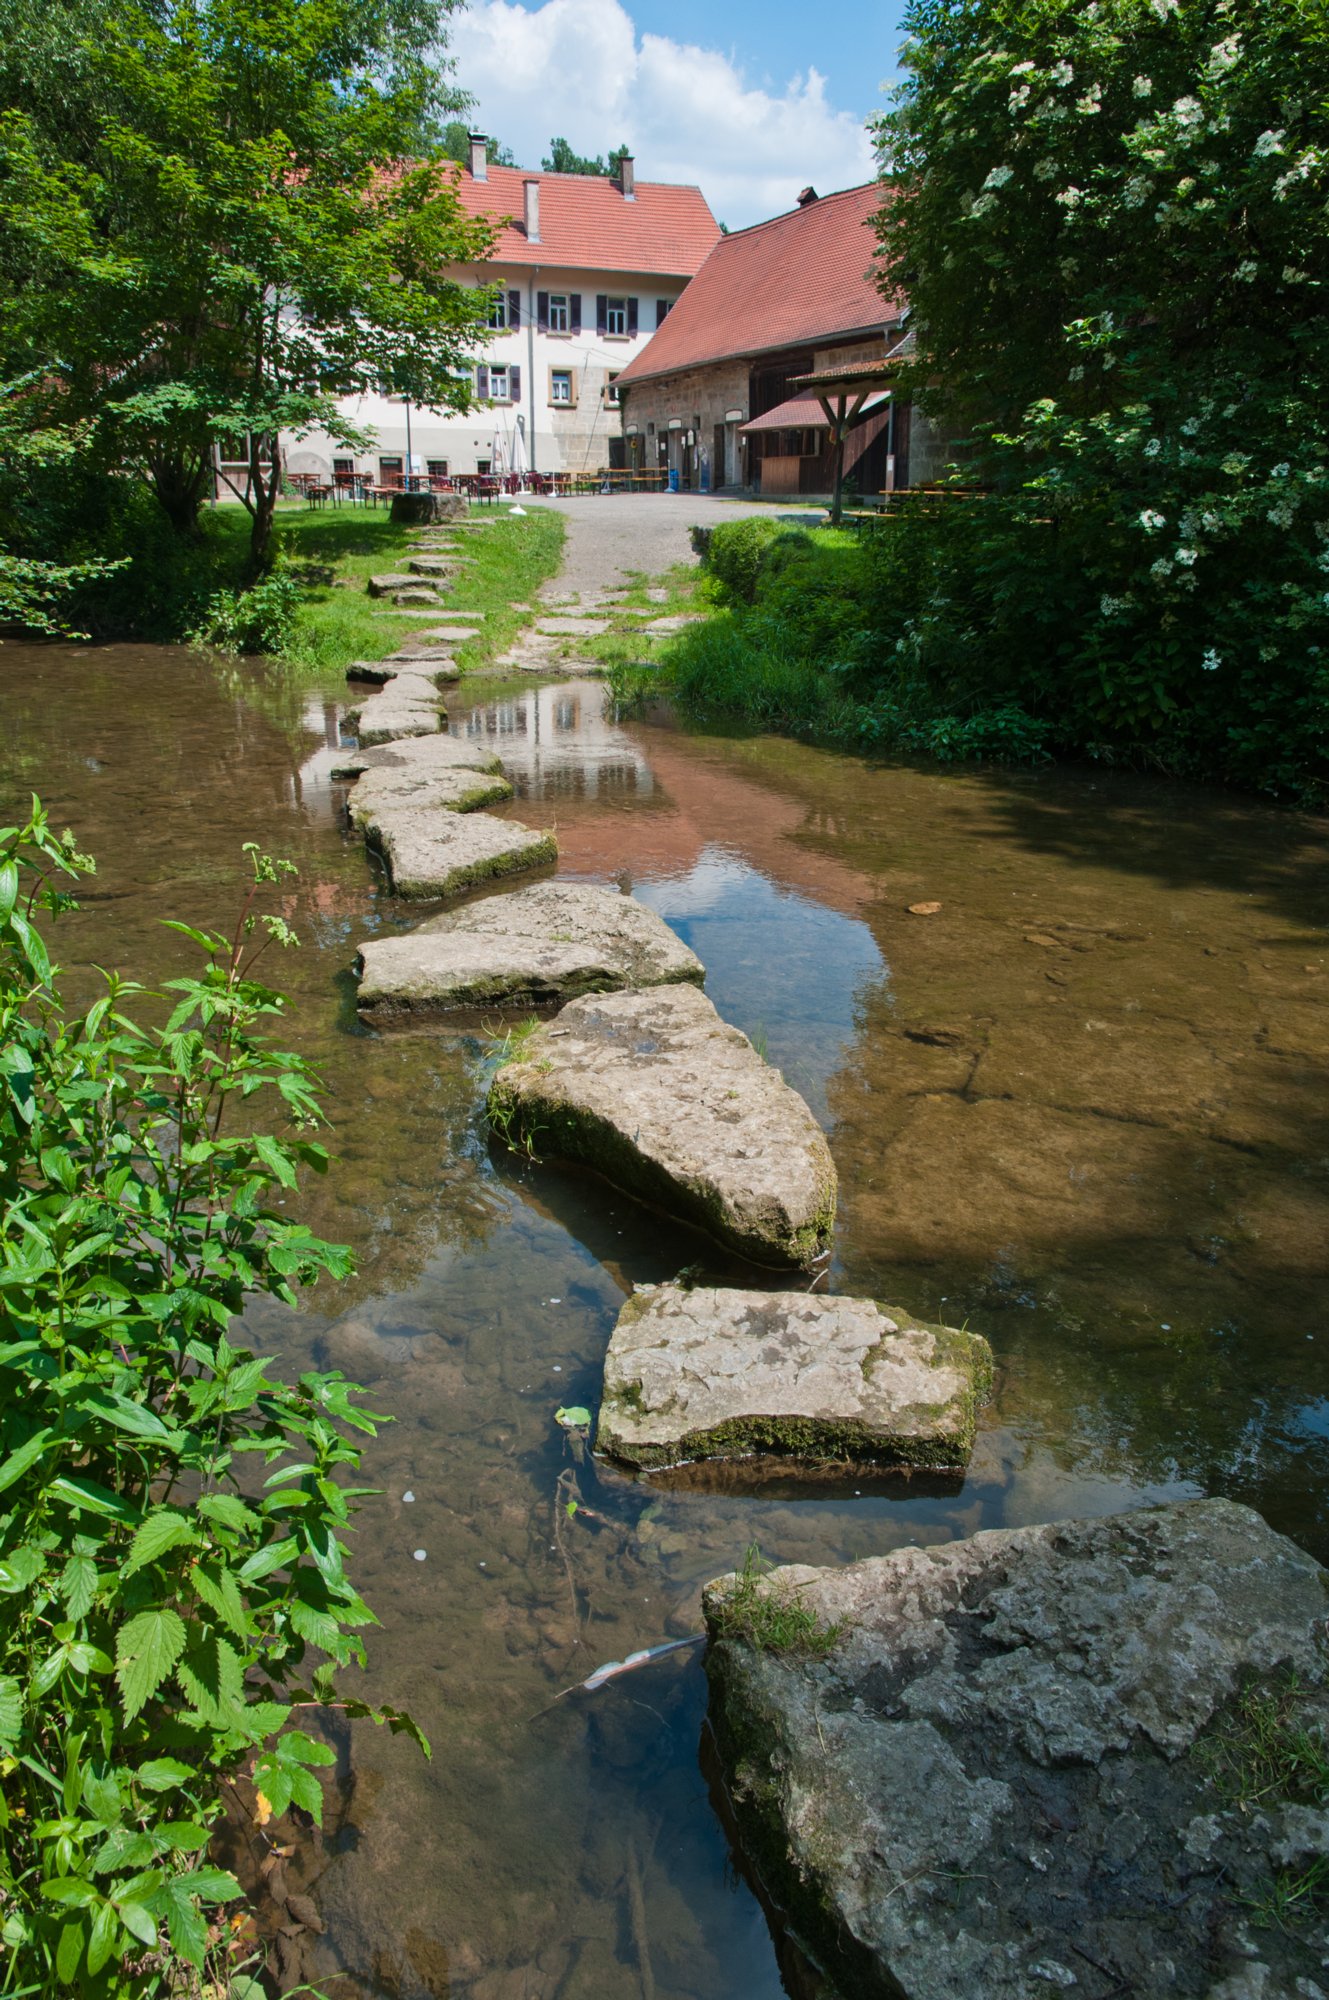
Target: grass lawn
(334,550)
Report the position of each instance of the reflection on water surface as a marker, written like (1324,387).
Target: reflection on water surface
(1083,1107)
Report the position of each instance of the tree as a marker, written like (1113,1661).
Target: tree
(1111,226)
(563,160)
(455,142)
(234,231)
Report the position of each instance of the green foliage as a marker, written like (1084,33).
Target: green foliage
(771,1616)
(35,593)
(455,143)
(1150,410)
(563,160)
(223,239)
(733,555)
(258,620)
(171,1512)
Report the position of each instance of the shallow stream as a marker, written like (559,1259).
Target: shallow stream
(1082,1107)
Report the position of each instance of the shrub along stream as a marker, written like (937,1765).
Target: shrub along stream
(171,1513)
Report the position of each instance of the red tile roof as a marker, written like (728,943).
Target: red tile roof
(586,225)
(796,281)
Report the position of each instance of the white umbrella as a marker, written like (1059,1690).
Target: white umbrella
(497,456)
(518,462)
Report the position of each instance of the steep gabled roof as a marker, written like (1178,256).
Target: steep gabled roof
(796,281)
(586,225)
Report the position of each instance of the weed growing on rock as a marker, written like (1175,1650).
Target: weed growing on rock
(771,1616)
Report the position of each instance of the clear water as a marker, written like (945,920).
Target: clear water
(1083,1107)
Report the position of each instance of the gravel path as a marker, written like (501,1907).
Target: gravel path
(612,534)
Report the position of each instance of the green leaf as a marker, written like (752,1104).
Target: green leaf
(86,1494)
(212,1677)
(11,1711)
(212,1885)
(78,1586)
(145,1650)
(105,1932)
(164,1774)
(140,1921)
(275,1160)
(69,1952)
(219,1590)
(18,1462)
(164,1529)
(276,1555)
(227,1510)
(123,1414)
(189,1933)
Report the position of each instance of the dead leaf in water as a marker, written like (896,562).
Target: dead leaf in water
(924,909)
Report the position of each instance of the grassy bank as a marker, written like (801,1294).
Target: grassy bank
(331,555)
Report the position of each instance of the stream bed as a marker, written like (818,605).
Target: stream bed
(1080,1107)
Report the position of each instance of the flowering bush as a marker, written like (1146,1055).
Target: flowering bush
(1112,224)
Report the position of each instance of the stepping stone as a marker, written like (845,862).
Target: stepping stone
(443,854)
(536,946)
(408,705)
(433,667)
(664,628)
(657,1093)
(419,595)
(572,628)
(439,612)
(379,794)
(456,634)
(722,1374)
(385,585)
(656,595)
(970,1770)
(426,753)
(429,566)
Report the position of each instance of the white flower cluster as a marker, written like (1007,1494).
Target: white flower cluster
(1070,197)
(1153,448)
(1187,557)
(1061,74)
(1161,570)
(1143,86)
(1091,103)
(1151,521)
(999,177)
(1247,271)
(1224,55)
(1110,606)
(1044,170)
(1306,163)
(1188,112)
(1268,143)
(1212,661)
(1136,192)
(1019,98)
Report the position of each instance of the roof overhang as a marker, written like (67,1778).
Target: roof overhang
(634,373)
(803,412)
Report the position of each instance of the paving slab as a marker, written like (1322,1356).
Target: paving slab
(994,1769)
(721,1374)
(378,794)
(431,854)
(572,628)
(390,580)
(408,705)
(665,628)
(435,667)
(430,565)
(654,1091)
(419,595)
(539,945)
(415,753)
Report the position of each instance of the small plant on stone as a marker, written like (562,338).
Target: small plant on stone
(770,1615)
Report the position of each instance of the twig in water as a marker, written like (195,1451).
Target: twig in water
(613,1668)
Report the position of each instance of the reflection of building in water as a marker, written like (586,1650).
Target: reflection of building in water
(310,787)
(558,741)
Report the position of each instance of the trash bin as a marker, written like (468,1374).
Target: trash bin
(673,479)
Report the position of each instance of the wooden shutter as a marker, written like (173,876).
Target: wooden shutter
(632,316)
(542,312)
(482,381)
(514,385)
(574,308)
(602,314)
(514,310)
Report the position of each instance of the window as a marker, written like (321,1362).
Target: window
(616,317)
(438,468)
(611,389)
(498,385)
(662,310)
(559,319)
(560,385)
(344,467)
(498,313)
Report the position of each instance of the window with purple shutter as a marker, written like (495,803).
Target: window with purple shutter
(601,314)
(542,312)
(482,381)
(632,317)
(514,310)
(514,385)
(576,312)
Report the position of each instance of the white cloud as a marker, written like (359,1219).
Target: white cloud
(579,69)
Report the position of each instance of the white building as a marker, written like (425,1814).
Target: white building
(588,268)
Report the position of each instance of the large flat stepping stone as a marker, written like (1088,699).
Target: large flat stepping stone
(657,1093)
(420,595)
(435,667)
(665,628)
(547,943)
(723,1374)
(416,753)
(379,794)
(385,585)
(408,705)
(429,565)
(573,628)
(1009,1767)
(429,853)
(440,611)
(456,635)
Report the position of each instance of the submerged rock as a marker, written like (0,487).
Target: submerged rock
(409,705)
(546,943)
(1008,1765)
(659,1095)
(433,853)
(720,1374)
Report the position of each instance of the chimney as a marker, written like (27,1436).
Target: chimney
(531,190)
(627,177)
(807,197)
(479,161)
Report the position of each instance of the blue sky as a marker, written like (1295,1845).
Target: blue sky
(750,101)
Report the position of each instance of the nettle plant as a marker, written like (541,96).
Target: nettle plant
(1113,230)
(171,1567)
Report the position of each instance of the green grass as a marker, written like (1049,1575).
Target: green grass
(334,551)
(1264,1754)
(771,1616)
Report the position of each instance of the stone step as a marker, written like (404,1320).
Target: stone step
(572,628)
(408,705)
(418,595)
(378,795)
(544,944)
(435,667)
(702,1374)
(427,753)
(657,1093)
(429,853)
(385,584)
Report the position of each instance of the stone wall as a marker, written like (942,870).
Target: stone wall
(694,402)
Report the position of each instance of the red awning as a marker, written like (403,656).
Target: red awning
(802,413)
